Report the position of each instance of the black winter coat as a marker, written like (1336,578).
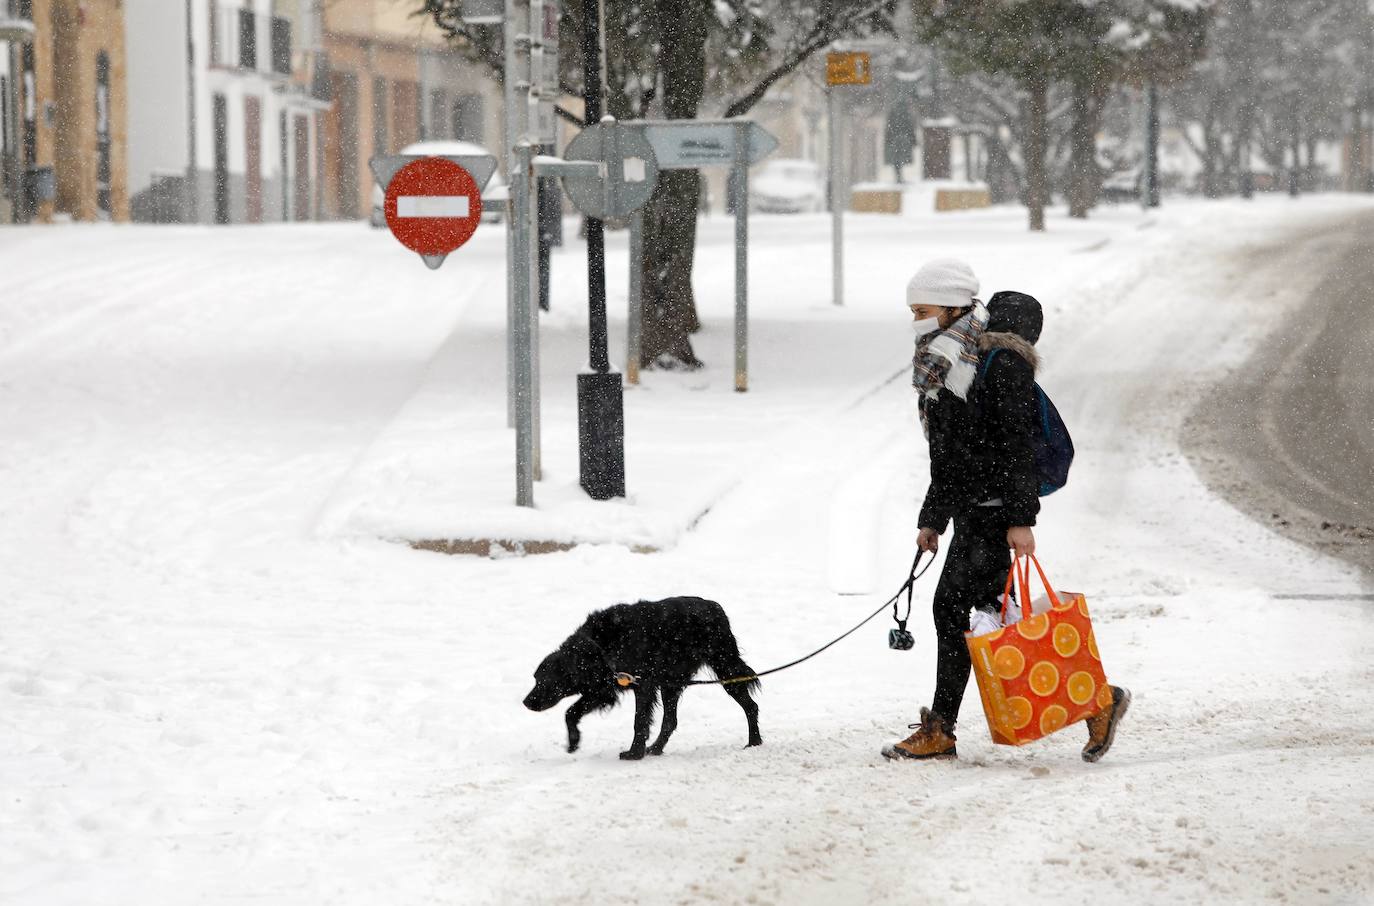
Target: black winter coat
(983,449)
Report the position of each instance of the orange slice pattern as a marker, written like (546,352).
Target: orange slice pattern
(1066,640)
(1033,628)
(1081,687)
(1044,679)
(1008,662)
(1019,709)
(1053,718)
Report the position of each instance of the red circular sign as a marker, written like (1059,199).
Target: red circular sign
(433,206)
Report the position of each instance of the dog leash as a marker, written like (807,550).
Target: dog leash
(909,586)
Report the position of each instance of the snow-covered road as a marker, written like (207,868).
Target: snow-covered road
(207,695)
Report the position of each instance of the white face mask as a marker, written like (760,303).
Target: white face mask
(924,326)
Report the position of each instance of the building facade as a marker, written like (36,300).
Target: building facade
(394,80)
(226,103)
(62,111)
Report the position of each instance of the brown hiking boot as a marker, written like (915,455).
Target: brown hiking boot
(934,738)
(1102,725)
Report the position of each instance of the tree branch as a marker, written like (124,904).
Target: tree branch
(824,32)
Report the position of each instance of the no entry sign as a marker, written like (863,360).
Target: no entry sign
(433,206)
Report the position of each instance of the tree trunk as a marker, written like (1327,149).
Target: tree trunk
(1037,184)
(670,232)
(1085,177)
(670,218)
(1310,170)
(1211,143)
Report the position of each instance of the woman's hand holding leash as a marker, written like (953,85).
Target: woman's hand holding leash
(928,540)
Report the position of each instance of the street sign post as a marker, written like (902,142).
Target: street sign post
(850,67)
(609,173)
(433,204)
(691,145)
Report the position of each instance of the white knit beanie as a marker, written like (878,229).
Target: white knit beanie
(944,282)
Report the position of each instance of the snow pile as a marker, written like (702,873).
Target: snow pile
(217,686)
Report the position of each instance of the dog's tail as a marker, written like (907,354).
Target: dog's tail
(725,661)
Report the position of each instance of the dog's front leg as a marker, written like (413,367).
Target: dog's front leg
(576,712)
(645,696)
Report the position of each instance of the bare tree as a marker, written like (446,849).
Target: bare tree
(678,58)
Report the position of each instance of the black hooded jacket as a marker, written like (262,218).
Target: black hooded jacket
(982,449)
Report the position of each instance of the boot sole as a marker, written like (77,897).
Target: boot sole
(1096,754)
(892,753)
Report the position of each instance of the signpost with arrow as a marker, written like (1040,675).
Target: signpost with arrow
(690,145)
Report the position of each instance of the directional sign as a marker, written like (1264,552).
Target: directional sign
(689,144)
(848,68)
(627,178)
(433,206)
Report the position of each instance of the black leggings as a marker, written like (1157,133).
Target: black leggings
(975,573)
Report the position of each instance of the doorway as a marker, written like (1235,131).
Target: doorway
(102,135)
(221,126)
(302,181)
(252,157)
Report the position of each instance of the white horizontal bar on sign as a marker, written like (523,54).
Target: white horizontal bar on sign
(432,206)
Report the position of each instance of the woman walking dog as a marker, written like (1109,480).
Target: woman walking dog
(979,412)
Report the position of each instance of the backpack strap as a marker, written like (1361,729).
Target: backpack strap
(987,363)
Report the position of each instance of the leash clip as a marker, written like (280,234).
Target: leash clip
(624,680)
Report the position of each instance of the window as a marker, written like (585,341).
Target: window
(439,126)
(223,35)
(248,39)
(467,118)
(379,116)
(281,45)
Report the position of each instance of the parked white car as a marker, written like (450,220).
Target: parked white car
(787,186)
(493,196)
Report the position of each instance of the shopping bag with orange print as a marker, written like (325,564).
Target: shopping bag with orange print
(1043,672)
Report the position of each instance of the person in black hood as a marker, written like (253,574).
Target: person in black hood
(979,413)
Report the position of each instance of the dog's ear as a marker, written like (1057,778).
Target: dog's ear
(582,643)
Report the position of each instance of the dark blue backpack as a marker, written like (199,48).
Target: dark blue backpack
(1053,446)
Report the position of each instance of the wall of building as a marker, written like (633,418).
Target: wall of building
(9,133)
(71,40)
(396,81)
(242,171)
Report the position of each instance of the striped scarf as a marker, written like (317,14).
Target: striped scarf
(949,358)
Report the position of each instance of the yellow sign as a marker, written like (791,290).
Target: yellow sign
(848,68)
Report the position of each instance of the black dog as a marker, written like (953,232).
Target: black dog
(663,644)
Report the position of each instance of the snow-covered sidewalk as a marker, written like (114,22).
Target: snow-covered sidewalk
(216,686)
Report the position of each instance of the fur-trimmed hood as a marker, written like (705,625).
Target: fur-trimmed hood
(1011,342)
(1014,323)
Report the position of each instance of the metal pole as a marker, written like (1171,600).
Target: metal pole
(740,184)
(529,54)
(1151,146)
(596,230)
(836,200)
(633,338)
(600,393)
(523,328)
(537,63)
(511,136)
(192,210)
